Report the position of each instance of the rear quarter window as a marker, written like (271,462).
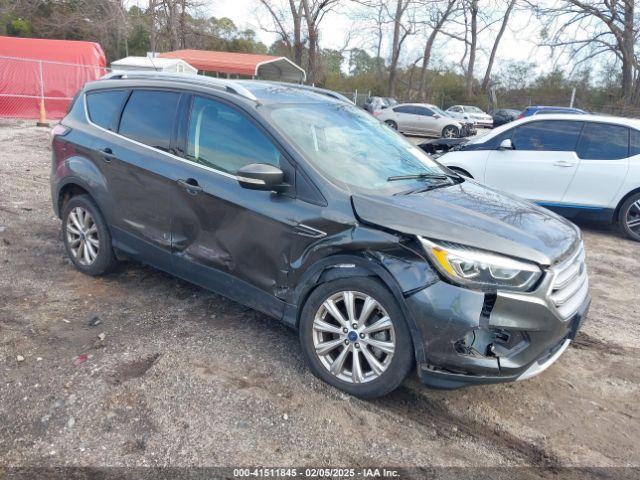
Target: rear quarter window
(601,141)
(635,142)
(104,107)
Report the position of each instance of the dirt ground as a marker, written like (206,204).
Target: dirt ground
(178,376)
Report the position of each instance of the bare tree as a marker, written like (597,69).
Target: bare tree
(438,15)
(286,19)
(401,30)
(314,12)
(594,28)
(496,43)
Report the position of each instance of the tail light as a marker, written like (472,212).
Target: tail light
(59,130)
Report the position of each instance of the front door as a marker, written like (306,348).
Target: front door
(542,163)
(230,239)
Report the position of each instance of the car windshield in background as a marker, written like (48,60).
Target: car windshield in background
(354,148)
(441,112)
(472,109)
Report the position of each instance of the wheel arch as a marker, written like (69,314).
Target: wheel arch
(341,266)
(616,212)
(71,188)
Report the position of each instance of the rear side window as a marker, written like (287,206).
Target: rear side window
(104,107)
(404,109)
(601,141)
(550,135)
(222,138)
(635,142)
(149,117)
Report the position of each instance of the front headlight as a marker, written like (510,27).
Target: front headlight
(481,270)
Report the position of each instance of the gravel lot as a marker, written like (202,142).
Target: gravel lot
(178,376)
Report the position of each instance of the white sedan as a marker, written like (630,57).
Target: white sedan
(583,166)
(475,114)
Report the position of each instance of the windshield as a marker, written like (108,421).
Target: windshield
(471,109)
(440,112)
(351,146)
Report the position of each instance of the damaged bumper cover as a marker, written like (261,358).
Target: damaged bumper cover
(473,338)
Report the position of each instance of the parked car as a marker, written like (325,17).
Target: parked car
(503,115)
(583,166)
(313,212)
(376,104)
(480,118)
(422,119)
(539,110)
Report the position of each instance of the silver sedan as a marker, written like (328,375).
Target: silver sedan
(421,119)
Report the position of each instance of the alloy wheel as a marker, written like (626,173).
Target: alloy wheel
(450,132)
(633,217)
(82,236)
(354,337)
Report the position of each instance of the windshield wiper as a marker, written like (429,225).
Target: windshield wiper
(435,176)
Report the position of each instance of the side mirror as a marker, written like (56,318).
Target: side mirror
(260,176)
(506,144)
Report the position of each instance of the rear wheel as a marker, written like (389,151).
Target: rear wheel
(392,124)
(450,131)
(355,337)
(629,217)
(86,237)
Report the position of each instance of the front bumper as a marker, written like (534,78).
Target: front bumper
(472,338)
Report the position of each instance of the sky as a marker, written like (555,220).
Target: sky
(518,42)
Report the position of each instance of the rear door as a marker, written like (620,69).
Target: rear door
(404,117)
(134,156)
(542,163)
(426,123)
(603,150)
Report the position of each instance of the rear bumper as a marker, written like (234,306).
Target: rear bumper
(468,340)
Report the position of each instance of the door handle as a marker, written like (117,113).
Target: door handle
(191,185)
(107,154)
(564,163)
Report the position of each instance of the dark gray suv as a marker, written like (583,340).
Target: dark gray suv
(308,209)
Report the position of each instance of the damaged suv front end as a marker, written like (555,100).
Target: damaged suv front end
(511,288)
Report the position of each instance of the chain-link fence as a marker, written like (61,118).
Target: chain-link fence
(41,89)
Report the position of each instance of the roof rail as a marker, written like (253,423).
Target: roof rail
(322,91)
(228,85)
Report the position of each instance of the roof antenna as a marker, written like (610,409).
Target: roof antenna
(151,56)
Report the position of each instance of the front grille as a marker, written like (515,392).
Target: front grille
(570,284)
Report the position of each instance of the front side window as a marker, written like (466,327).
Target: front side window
(354,148)
(149,116)
(104,106)
(547,135)
(223,138)
(601,141)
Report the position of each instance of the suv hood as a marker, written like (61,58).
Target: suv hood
(471,214)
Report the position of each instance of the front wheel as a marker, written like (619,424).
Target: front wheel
(355,337)
(450,132)
(629,217)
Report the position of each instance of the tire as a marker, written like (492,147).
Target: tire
(315,324)
(101,259)
(392,124)
(629,217)
(450,131)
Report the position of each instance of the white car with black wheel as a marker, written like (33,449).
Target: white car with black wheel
(582,166)
(421,119)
